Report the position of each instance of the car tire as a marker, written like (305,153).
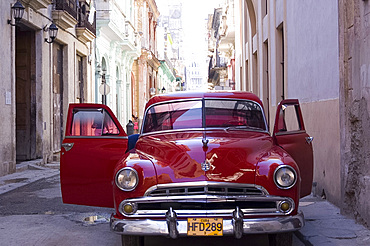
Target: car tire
(132,240)
(281,239)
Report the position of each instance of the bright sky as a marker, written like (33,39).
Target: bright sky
(195,19)
(195,15)
(194,23)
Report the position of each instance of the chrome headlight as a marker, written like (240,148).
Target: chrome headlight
(127,179)
(285,177)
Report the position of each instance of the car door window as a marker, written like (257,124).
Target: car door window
(92,122)
(288,119)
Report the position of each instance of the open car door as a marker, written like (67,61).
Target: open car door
(290,134)
(94,143)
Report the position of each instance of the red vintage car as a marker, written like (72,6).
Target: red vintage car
(204,164)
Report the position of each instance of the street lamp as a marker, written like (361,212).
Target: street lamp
(104,88)
(17,13)
(53,31)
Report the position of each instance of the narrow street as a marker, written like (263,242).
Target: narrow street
(35,215)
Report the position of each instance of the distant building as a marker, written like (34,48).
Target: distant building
(196,79)
(221,47)
(171,22)
(166,71)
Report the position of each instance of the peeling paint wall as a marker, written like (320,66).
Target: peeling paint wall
(354,43)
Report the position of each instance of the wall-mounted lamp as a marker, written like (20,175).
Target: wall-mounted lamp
(98,69)
(53,31)
(17,13)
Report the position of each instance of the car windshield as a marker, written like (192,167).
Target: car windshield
(224,113)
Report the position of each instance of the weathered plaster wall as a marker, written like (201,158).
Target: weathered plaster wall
(312,53)
(7,108)
(354,43)
(324,127)
(313,77)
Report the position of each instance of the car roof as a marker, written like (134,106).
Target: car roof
(205,94)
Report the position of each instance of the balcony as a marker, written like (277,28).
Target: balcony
(37,4)
(110,15)
(130,40)
(65,13)
(112,21)
(85,31)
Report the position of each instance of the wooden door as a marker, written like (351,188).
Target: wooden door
(25,96)
(57,97)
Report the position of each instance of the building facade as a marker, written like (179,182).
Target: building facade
(41,78)
(117,46)
(145,68)
(289,49)
(319,53)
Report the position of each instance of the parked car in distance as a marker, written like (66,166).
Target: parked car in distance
(204,164)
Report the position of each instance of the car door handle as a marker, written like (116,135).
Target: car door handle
(309,140)
(67,146)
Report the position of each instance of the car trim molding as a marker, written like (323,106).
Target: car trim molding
(107,136)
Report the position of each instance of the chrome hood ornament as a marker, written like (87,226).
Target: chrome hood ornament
(206,166)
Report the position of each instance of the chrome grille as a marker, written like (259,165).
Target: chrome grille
(206,198)
(206,188)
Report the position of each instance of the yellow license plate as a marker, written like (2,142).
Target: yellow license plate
(205,227)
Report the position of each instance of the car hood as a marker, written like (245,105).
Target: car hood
(232,155)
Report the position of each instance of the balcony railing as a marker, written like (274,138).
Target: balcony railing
(83,17)
(130,35)
(69,6)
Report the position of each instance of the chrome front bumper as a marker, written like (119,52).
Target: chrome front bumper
(174,227)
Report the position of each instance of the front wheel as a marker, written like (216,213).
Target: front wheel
(281,239)
(132,240)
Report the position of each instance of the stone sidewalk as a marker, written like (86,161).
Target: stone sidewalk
(27,173)
(325,226)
